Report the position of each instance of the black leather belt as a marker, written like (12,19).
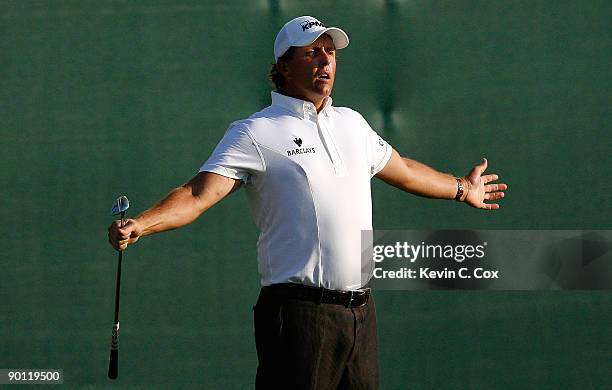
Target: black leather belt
(351,298)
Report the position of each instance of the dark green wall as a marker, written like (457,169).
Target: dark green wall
(103,98)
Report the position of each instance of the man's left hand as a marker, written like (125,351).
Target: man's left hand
(478,188)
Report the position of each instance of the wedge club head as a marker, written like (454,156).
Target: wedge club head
(121,205)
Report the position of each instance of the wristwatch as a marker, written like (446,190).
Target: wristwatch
(460,189)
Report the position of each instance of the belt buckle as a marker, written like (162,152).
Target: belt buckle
(353,295)
(357,293)
(350,301)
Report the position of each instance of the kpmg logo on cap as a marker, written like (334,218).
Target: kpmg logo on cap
(310,23)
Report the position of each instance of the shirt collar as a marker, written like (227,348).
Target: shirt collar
(298,106)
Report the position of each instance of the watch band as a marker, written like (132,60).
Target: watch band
(460,189)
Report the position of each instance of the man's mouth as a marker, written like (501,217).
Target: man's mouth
(323,76)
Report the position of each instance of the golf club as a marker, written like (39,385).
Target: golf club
(121,205)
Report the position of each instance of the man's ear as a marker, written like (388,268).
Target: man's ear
(283,68)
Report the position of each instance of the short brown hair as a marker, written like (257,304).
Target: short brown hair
(274,74)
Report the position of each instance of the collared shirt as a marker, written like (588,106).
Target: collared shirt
(307,179)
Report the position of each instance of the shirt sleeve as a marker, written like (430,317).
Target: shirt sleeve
(236,156)
(379,151)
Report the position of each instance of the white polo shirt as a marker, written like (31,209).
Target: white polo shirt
(307,178)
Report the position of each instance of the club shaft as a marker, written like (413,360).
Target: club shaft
(118,284)
(118,287)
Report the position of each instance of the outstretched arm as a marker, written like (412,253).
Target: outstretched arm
(180,207)
(417,178)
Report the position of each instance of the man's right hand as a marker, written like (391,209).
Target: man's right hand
(120,237)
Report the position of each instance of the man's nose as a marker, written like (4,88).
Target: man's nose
(325,58)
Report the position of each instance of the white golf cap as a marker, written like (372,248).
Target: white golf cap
(303,31)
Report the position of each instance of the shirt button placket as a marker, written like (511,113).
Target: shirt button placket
(329,144)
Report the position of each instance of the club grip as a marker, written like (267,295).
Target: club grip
(113,363)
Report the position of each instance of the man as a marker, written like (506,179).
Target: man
(306,167)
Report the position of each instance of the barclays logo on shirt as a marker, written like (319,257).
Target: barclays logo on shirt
(298,142)
(300,151)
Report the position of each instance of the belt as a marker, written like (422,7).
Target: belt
(350,298)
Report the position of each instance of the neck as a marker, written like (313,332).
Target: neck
(319,102)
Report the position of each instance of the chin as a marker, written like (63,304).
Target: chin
(325,92)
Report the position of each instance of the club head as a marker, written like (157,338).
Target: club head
(121,204)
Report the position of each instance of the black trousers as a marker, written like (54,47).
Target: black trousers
(307,345)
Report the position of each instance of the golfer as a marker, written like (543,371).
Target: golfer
(306,168)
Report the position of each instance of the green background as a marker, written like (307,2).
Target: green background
(104,98)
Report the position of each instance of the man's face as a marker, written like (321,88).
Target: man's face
(310,73)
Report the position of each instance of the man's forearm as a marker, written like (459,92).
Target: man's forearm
(177,209)
(180,207)
(417,178)
(426,181)
(186,203)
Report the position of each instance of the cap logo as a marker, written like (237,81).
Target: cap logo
(308,24)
